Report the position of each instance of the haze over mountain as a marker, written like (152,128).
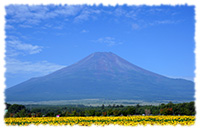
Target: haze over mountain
(102,75)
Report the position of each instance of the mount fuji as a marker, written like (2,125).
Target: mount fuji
(102,75)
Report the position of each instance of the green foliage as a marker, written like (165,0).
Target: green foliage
(51,114)
(82,113)
(74,113)
(22,113)
(7,115)
(124,113)
(90,113)
(15,108)
(114,110)
(7,105)
(98,113)
(102,107)
(131,110)
(110,112)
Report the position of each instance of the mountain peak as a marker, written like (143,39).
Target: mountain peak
(102,54)
(104,61)
(101,75)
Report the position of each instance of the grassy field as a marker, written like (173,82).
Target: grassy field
(95,102)
(88,121)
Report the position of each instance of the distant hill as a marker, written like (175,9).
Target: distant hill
(102,75)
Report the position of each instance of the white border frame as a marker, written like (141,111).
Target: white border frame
(105,3)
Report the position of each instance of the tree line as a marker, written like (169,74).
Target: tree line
(16,110)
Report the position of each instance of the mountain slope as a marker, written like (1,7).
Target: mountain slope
(102,75)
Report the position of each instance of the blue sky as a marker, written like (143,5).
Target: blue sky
(41,39)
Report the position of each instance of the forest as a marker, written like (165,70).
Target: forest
(17,110)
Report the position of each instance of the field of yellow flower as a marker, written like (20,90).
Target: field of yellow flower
(87,121)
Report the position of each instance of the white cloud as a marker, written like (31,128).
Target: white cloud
(15,47)
(25,26)
(162,22)
(109,41)
(56,25)
(29,15)
(84,31)
(135,26)
(15,66)
(86,14)
(7,27)
(136,16)
(166,22)
(143,24)
(120,12)
(83,16)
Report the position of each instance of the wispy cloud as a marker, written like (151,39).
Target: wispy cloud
(167,21)
(144,24)
(87,13)
(143,16)
(120,12)
(55,25)
(27,16)
(33,15)
(108,41)
(84,31)
(7,27)
(25,26)
(135,26)
(14,66)
(15,47)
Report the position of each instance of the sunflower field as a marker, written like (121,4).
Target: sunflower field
(102,121)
